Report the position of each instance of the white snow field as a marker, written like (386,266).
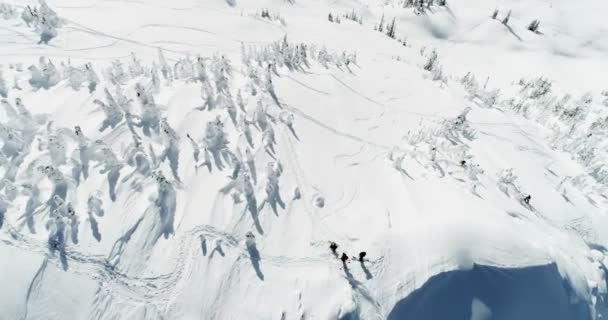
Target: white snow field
(194,159)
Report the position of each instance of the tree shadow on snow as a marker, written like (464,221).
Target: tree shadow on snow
(219,250)
(293,131)
(253,210)
(513,32)
(94,228)
(254,256)
(204,245)
(368,275)
(354,283)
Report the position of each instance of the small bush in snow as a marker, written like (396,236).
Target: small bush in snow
(533,26)
(495,14)
(271,16)
(431,61)
(488,97)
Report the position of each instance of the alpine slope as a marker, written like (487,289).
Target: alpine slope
(303,159)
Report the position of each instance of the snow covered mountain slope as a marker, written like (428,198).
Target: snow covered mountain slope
(194,160)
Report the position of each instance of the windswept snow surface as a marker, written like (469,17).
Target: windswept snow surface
(223,144)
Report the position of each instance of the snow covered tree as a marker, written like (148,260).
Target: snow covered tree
(3,86)
(45,75)
(111,166)
(135,67)
(116,73)
(47,32)
(76,76)
(43,19)
(92,77)
(431,62)
(381,25)
(8,11)
(165,69)
(166,202)
(112,110)
(150,115)
(200,73)
(29,15)
(495,14)
(505,21)
(391,29)
(170,152)
(184,69)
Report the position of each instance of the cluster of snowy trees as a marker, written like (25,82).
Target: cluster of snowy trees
(46,75)
(349,16)
(270,16)
(293,56)
(507,183)
(245,123)
(8,11)
(421,6)
(432,65)
(579,125)
(65,157)
(533,26)
(442,148)
(487,97)
(43,20)
(390,29)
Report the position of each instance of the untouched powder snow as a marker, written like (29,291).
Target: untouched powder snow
(195,159)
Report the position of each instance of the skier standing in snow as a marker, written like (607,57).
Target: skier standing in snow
(344,258)
(333,246)
(362,255)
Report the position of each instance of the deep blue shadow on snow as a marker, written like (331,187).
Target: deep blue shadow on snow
(532,293)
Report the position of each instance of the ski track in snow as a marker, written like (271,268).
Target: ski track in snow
(158,289)
(380,113)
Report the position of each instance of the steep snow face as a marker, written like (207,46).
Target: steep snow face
(195,159)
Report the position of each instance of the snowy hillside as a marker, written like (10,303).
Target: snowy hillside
(195,159)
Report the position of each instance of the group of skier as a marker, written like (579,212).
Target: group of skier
(344,257)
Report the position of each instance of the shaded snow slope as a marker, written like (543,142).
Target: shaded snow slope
(219,152)
(493,293)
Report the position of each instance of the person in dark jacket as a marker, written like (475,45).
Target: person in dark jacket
(362,255)
(344,258)
(333,246)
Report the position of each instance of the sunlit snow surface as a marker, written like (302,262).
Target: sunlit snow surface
(236,147)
